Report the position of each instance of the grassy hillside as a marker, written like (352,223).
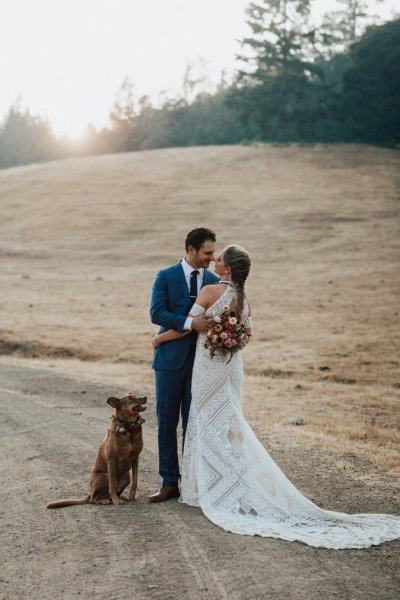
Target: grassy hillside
(81,240)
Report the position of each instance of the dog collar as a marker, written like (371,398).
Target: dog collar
(123,426)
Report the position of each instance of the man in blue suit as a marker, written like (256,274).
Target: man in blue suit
(174,292)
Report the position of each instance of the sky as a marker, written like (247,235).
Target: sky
(67,58)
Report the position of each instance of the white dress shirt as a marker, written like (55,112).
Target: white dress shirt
(187,271)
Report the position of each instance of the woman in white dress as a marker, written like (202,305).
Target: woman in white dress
(226,470)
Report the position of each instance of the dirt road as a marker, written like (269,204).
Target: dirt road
(50,428)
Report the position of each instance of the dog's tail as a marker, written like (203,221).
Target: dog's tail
(68,502)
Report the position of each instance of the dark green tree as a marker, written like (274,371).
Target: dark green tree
(341,27)
(206,120)
(371,85)
(344,25)
(25,139)
(281,86)
(124,107)
(122,117)
(338,30)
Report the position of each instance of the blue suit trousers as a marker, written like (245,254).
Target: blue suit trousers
(173,397)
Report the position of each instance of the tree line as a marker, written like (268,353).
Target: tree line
(337,81)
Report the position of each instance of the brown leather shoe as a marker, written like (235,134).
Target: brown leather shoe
(166,492)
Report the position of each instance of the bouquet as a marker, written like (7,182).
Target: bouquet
(226,335)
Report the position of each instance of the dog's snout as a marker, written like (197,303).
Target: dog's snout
(139,401)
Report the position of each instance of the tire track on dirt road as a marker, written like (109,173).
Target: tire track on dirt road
(59,444)
(49,434)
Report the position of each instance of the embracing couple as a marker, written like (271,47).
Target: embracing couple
(226,471)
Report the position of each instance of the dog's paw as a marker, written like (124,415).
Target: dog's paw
(105,501)
(118,502)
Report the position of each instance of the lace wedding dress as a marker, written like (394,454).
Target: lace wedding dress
(230,475)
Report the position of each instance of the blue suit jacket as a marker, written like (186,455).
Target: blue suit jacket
(170,305)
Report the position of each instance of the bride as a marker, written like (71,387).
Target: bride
(226,470)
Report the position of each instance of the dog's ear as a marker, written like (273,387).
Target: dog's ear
(114,402)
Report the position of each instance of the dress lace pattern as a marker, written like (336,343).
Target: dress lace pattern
(230,475)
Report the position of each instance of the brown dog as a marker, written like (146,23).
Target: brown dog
(117,456)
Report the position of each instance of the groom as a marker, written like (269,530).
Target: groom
(174,292)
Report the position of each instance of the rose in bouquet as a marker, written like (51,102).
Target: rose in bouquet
(226,335)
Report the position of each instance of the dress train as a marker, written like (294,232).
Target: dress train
(230,475)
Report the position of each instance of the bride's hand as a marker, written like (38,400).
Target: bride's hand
(154,341)
(201,323)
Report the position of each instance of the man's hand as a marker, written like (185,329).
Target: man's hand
(201,323)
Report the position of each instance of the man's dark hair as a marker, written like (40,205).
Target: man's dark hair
(197,237)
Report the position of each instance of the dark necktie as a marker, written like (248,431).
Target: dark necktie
(193,285)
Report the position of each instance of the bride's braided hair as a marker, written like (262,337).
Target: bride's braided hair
(239,261)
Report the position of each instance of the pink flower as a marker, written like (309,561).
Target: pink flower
(224,336)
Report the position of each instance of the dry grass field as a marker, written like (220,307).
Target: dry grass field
(81,240)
